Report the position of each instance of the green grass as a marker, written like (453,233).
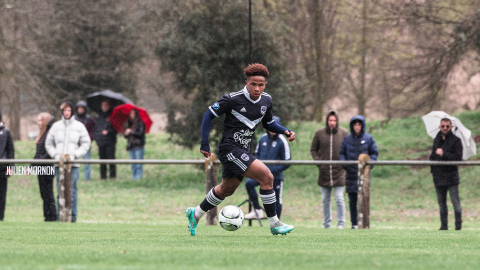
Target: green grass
(146,219)
(148,246)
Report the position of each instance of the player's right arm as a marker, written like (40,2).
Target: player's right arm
(217,109)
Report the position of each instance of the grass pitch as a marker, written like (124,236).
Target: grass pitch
(124,224)
(148,246)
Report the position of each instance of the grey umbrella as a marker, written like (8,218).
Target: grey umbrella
(94,100)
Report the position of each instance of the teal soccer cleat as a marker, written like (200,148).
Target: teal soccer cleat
(283,230)
(192,223)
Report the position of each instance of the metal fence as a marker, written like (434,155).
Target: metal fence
(364,164)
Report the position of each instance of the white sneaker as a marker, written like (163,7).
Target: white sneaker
(355,227)
(252,214)
(340,227)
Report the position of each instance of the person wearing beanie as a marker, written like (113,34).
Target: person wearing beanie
(82,116)
(7,151)
(45,181)
(68,136)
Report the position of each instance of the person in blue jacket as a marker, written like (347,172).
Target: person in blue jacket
(356,143)
(272,146)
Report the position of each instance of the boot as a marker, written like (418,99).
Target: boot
(458,221)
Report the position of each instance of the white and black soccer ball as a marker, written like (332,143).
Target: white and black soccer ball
(231,218)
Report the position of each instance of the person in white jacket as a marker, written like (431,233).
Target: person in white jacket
(68,136)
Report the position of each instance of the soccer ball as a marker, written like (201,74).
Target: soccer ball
(231,218)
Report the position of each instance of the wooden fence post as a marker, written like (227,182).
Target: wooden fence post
(65,193)
(363,205)
(211,182)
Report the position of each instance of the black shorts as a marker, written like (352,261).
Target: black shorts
(235,162)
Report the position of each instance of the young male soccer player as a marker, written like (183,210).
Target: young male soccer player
(244,110)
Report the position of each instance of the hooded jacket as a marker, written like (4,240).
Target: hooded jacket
(7,150)
(85,118)
(274,148)
(452,150)
(103,123)
(352,146)
(41,152)
(326,146)
(67,136)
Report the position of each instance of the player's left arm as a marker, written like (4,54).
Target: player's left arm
(272,126)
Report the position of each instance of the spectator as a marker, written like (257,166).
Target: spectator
(272,146)
(68,136)
(45,182)
(447,147)
(326,146)
(89,123)
(356,143)
(106,138)
(7,151)
(134,130)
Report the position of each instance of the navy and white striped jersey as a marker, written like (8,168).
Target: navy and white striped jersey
(243,114)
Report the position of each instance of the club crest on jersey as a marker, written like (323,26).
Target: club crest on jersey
(245,157)
(216,105)
(263,110)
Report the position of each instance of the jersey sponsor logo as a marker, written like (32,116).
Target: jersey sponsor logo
(243,110)
(216,106)
(245,157)
(362,142)
(244,137)
(274,144)
(263,110)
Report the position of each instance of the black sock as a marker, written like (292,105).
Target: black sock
(210,201)
(268,200)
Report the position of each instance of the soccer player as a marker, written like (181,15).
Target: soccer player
(244,110)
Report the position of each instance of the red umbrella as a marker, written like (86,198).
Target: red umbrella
(121,113)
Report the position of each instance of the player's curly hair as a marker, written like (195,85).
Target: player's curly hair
(256,70)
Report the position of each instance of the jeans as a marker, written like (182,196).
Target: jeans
(107,152)
(442,203)
(137,169)
(353,198)
(250,184)
(3,193)
(45,183)
(88,167)
(327,208)
(74,180)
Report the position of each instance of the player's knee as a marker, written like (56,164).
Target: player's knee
(269,177)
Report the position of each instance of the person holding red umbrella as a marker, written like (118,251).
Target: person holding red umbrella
(134,132)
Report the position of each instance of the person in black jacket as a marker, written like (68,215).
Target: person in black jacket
(45,182)
(134,130)
(7,151)
(87,120)
(447,147)
(106,138)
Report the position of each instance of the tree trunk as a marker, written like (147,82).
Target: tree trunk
(363,69)
(318,38)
